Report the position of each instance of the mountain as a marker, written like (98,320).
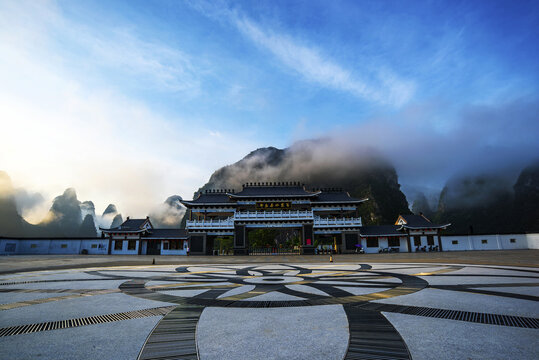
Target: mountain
(526,203)
(110,217)
(421,205)
(117,221)
(87,228)
(65,217)
(490,204)
(11,223)
(319,163)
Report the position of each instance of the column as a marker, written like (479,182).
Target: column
(308,239)
(240,240)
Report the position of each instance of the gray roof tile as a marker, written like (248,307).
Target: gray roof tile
(380,230)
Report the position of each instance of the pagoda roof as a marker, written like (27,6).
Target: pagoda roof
(271,190)
(380,230)
(275,190)
(418,222)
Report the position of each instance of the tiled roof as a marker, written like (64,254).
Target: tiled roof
(130,225)
(416,221)
(133,224)
(167,233)
(273,191)
(380,230)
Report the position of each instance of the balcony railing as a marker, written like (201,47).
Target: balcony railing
(211,224)
(336,222)
(274,215)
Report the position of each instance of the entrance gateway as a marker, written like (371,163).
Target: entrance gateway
(320,213)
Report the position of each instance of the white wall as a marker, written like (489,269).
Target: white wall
(533,241)
(493,242)
(182,251)
(384,243)
(75,246)
(54,246)
(125,243)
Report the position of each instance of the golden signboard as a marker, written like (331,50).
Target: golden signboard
(273,205)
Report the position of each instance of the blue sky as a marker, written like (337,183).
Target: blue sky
(159,94)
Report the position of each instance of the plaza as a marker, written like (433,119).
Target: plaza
(360,307)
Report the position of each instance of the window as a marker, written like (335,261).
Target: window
(165,245)
(94,246)
(174,244)
(33,246)
(372,242)
(484,241)
(63,246)
(430,240)
(455,242)
(10,247)
(512,241)
(118,244)
(417,240)
(393,241)
(132,245)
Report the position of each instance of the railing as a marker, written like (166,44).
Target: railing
(336,222)
(283,214)
(211,224)
(273,215)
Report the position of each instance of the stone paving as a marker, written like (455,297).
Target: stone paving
(352,310)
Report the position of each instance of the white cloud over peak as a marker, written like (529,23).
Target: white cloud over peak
(66,128)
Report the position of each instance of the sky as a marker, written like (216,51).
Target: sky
(130,102)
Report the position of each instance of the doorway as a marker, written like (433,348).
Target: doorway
(154,247)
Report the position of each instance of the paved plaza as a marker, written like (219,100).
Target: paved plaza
(353,310)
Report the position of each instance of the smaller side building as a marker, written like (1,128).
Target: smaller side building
(138,236)
(410,233)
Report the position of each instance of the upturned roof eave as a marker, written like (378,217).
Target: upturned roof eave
(355,201)
(191,203)
(425,227)
(378,235)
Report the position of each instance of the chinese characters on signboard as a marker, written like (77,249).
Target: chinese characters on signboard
(273,205)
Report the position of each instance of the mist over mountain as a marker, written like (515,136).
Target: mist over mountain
(169,214)
(110,217)
(323,163)
(491,204)
(67,215)
(485,203)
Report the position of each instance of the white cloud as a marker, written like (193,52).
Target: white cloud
(379,85)
(59,131)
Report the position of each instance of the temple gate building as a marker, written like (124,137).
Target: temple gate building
(319,213)
(318,219)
